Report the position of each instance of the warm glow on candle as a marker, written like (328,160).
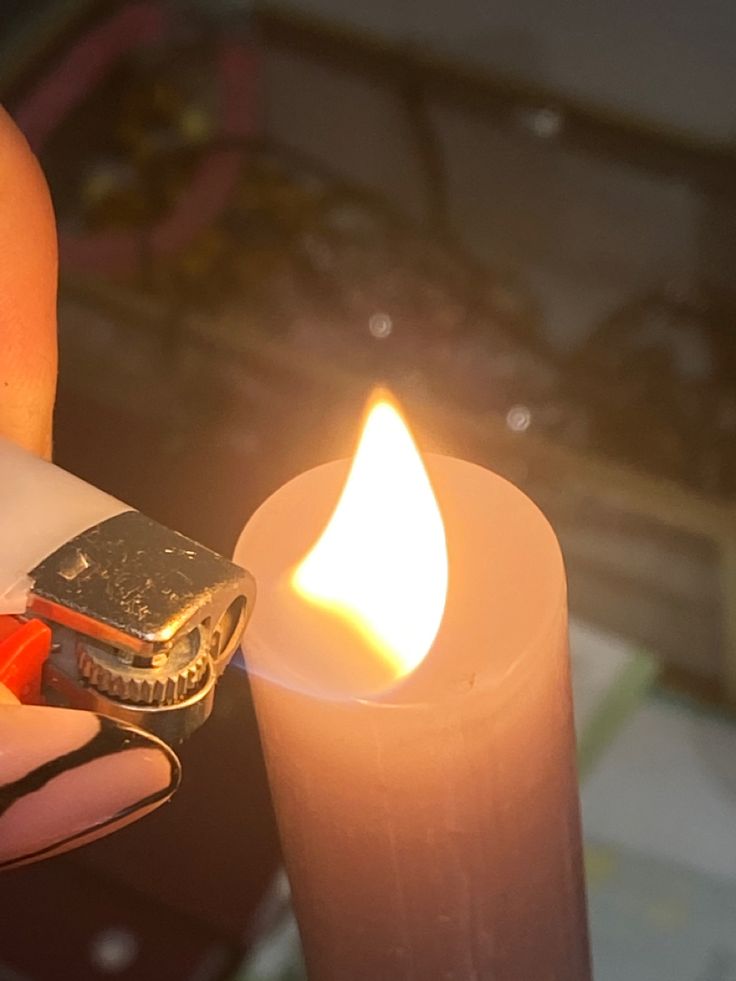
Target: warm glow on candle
(381,562)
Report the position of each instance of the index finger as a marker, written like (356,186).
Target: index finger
(28,274)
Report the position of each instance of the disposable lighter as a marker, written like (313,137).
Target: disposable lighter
(104,609)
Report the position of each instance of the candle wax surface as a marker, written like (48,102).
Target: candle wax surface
(488,627)
(430,827)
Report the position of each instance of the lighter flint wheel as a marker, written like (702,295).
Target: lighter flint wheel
(183,672)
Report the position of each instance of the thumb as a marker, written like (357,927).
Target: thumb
(28,274)
(68,777)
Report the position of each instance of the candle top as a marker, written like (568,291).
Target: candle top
(506,592)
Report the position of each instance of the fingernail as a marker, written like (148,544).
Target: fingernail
(68,777)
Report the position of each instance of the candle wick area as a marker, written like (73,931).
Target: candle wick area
(506,589)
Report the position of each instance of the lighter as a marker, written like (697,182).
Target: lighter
(142,620)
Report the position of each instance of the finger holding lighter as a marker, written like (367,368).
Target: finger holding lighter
(101,609)
(68,777)
(107,611)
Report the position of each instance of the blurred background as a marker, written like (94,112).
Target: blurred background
(522,217)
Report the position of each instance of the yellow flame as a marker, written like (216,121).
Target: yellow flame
(381,562)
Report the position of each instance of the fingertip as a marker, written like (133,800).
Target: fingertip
(69,777)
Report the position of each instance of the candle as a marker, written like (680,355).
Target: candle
(409,667)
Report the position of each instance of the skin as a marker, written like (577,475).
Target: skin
(59,786)
(28,276)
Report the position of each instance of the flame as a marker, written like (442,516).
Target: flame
(381,562)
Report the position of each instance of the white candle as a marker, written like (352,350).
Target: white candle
(427,805)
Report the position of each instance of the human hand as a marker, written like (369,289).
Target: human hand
(66,777)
